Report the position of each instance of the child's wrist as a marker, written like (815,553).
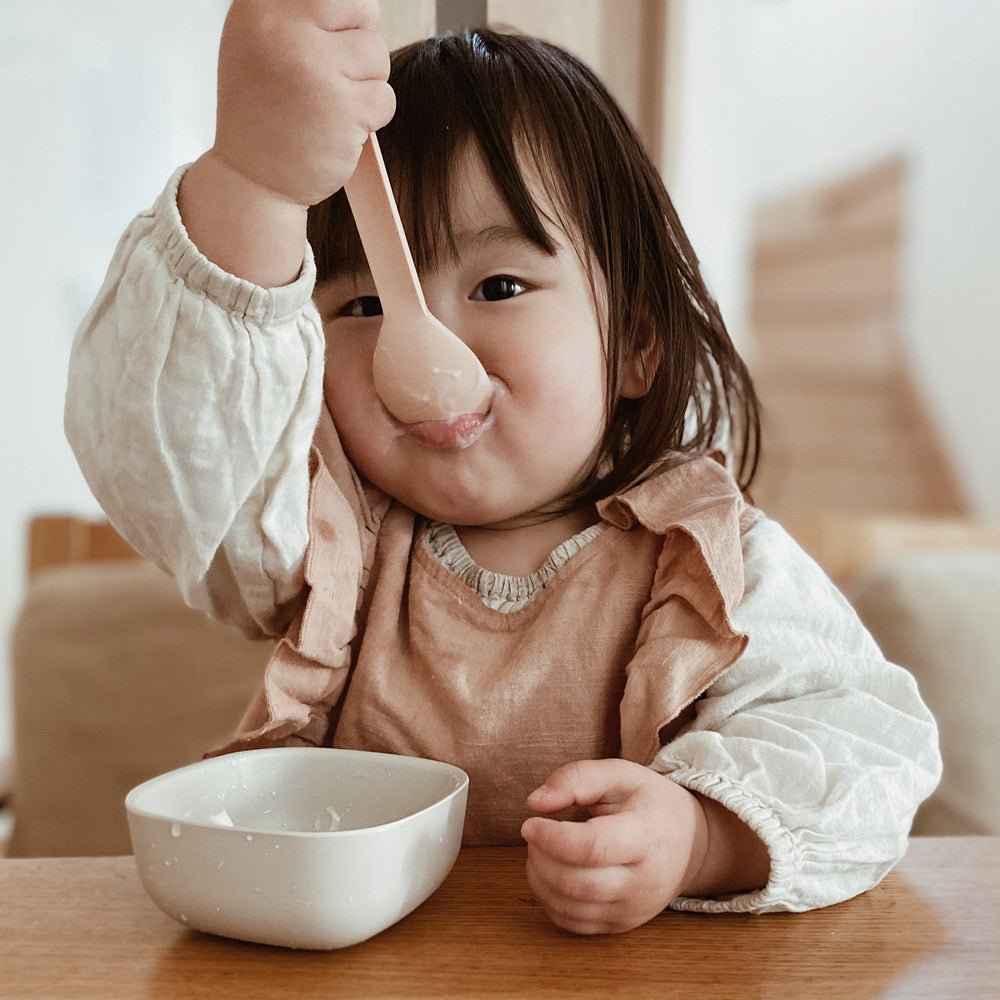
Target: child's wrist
(240,225)
(732,857)
(698,852)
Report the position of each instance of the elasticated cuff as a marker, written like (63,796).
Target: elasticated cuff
(232,294)
(780,844)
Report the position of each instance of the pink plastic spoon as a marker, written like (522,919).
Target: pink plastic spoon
(422,371)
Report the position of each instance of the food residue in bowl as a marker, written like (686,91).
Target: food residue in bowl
(327,820)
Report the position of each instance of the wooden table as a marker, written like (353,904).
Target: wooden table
(83,927)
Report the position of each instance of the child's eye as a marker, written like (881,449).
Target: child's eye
(497,287)
(362,307)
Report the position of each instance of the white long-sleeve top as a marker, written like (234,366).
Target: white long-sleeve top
(192,403)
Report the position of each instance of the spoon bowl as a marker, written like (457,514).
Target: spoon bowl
(422,371)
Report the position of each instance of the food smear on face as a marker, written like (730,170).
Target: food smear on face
(456,432)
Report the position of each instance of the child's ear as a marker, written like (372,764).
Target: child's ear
(640,367)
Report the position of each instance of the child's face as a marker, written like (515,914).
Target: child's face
(532,320)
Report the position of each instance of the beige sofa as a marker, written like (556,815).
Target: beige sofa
(115,680)
(936,612)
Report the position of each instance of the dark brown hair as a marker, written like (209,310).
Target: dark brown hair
(515,96)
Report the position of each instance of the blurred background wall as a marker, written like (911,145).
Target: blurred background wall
(99,98)
(800,111)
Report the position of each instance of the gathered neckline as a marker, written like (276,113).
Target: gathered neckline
(502,592)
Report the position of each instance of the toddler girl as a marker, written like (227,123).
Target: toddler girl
(568,596)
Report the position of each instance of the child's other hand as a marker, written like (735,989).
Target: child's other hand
(301,84)
(645,841)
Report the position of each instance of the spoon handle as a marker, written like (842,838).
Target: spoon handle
(377,218)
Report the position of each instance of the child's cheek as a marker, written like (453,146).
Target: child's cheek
(349,391)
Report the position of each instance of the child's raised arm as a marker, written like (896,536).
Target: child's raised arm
(195,381)
(301,84)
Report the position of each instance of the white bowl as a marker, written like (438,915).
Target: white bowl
(301,847)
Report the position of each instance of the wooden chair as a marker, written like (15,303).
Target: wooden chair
(57,540)
(846,545)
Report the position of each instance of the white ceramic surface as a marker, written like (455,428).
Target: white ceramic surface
(300,847)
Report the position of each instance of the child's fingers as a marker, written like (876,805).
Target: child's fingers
(599,842)
(554,881)
(343,15)
(378,104)
(362,55)
(581,915)
(586,783)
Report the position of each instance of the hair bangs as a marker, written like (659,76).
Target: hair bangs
(456,97)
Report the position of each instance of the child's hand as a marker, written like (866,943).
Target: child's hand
(301,84)
(644,843)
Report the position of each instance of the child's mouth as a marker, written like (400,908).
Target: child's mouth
(455,432)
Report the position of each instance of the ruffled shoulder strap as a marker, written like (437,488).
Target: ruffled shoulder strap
(308,669)
(686,639)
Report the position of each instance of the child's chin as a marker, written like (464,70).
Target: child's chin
(482,512)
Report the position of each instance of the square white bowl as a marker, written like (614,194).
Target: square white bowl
(299,847)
